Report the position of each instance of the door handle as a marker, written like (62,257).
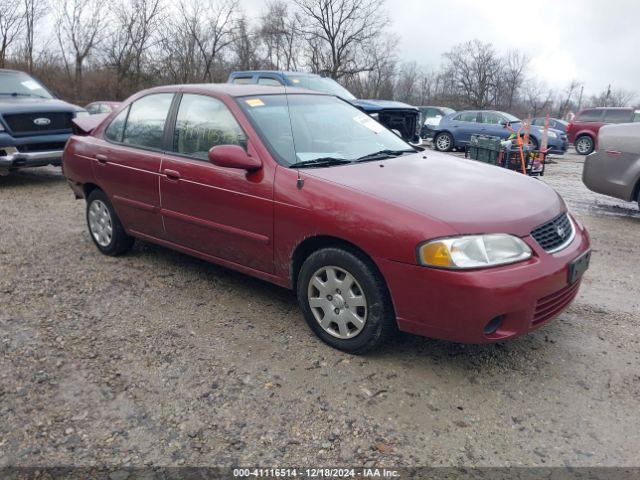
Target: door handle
(102,158)
(171,174)
(613,152)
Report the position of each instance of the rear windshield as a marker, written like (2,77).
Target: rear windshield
(589,116)
(18,84)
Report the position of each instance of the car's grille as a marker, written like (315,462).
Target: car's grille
(23,123)
(555,234)
(41,147)
(551,305)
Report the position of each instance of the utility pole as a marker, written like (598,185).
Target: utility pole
(606,99)
(580,98)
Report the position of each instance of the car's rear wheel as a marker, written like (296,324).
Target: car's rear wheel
(584,145)
(344,300)
(105,227)
(533,143)
(443,142)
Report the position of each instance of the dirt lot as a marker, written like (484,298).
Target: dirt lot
(157,358)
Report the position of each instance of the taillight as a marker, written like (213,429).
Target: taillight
(569,126)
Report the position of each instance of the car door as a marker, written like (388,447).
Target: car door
(464,125)
(492,123)
(222,212)
(127,163)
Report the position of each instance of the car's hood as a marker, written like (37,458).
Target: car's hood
(373,106)
(470,196)
(34,105)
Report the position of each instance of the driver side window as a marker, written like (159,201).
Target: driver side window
(202,123)
(492,118)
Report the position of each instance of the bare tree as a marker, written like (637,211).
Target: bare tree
(513,75)
(134,26)
(11,22)
(244,47)
(613,98)
(537,98)
(337,32)
(279,34)
(563,105)
(34,11)
(474,67)
(80,28)
(379,79)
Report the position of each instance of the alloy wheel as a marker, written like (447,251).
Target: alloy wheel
(583,145)
(443,142)
(100,223)
(337,302)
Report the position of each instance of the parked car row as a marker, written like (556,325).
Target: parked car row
(455,130)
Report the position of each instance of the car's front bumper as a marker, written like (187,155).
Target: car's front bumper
(12,158)
(31,151)
(457,305)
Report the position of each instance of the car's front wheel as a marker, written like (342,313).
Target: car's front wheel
(584,145)
(443,142)
(105,227)
(344,300)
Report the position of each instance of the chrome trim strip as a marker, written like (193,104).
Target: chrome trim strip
(569,240)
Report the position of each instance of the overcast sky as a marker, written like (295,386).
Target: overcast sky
(594,41)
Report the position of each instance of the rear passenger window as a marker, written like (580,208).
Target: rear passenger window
(204,122)
(116,128)
(617,116)
(466,117)
(590,116)
(147,117)
(269,81)
(636,116)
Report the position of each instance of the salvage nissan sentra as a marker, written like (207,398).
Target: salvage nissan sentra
(304,190)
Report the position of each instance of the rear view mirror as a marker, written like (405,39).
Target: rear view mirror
(233,156)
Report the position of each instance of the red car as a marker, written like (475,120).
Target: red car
(583,130)
(304,190)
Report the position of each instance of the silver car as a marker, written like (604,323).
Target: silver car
(614,168)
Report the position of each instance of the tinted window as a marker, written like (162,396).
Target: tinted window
(617,116)
(116,127)
(147,116)
(466,117)
(636,117)
(204,122)
(242,80)
(269,81)
(590,116)
(492,118)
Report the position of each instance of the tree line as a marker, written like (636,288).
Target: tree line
(87,50)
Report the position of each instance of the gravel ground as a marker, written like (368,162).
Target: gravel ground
(156,358)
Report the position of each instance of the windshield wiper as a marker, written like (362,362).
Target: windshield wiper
(321,162)
(382,154)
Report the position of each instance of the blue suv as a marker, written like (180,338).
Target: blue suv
(34,126)
(455,130)
(398,116)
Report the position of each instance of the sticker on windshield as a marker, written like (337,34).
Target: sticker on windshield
(254,102)
(31,85)
(370,123)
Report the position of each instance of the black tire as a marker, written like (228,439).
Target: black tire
(120,242)
(533,142)
(584,145)
(380,318)
(446,139)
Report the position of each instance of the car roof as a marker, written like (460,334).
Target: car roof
(606,108)
(234,90)
(273,72)
(6,70)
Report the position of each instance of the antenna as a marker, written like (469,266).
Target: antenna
(300,180)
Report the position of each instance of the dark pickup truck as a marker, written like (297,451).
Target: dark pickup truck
(34,125)
(397,116)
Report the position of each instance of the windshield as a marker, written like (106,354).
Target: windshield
(509,117)
(321,127)
(21,85)
(321,84)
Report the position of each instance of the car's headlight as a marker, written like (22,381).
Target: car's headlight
(82,113)
(552,134)
(473,251)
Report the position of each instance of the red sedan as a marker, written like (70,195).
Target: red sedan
(303,190)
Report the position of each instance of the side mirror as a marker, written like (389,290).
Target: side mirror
(233,156)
